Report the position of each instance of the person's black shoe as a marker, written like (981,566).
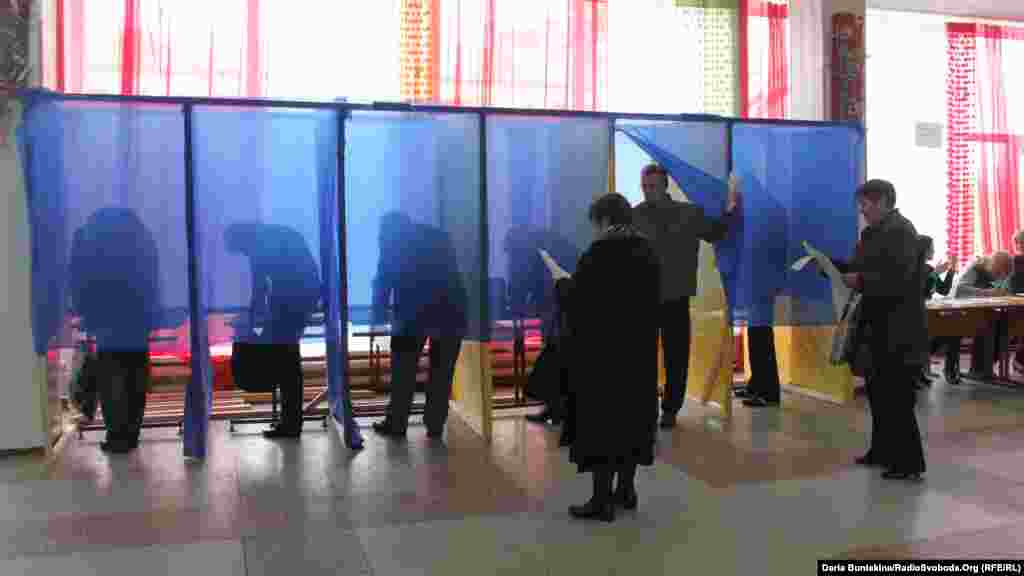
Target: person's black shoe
(604,512)
(868,460)
(386,429)
(541,417)
(117,448)
(893,474)
(628,499)
(759,402)
(668,420)
(743,393)
(282,432)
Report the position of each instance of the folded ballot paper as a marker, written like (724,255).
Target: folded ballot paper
(557,272)
(840,291)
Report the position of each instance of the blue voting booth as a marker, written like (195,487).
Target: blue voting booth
(478,190)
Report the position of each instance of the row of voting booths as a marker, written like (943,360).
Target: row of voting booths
(483,188)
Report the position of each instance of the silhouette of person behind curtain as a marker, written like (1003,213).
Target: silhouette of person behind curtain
(532,292)
(418,275)
(285,291)
(115,288)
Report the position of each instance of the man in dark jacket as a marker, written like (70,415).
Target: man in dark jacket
(418,275)
(889,271)
(285,291)
(675,230)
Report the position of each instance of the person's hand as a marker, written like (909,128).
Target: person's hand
(851,280)
(943,267)
(734,193)
(953,263)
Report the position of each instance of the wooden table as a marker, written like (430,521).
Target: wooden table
(975,316)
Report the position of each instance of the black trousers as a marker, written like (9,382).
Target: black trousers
(764,369)
(122,381)
(290,382)
(405,354)
(675,347)
(895,436)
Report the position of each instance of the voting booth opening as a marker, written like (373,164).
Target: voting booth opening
(182,230)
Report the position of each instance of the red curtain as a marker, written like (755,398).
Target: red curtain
(513,53)
(764,58)
(161,47)
(984,151)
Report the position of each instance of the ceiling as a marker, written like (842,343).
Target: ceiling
(997,9)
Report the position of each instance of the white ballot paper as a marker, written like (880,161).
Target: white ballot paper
(556,271)
(840,291)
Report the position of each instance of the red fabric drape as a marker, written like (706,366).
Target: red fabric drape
(764,58)
(984,151)
(161,47)
(522,54)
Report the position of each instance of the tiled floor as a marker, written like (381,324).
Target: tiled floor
(768,493)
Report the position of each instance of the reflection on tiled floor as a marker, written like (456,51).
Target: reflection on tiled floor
(770,493)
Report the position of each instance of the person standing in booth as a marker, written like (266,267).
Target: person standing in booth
(675,229)
(418,275)
(532,293)
(115,288)
(888,271)
(612,304)
(285,290)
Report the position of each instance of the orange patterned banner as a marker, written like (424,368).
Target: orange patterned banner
(419,61)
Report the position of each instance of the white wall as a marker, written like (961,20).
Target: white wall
(906,85)
(21,402)
(21,418)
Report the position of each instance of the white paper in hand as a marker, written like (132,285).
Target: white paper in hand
(840,291)
(556,271)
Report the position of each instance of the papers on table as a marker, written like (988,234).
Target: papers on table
(557,272)
(840,291)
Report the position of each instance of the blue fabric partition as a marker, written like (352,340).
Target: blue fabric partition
(799,184)
(106,197)
(413,223)
(542,175)
(696,155)
(266,182)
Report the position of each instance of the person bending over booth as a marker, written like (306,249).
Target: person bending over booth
(612,304)
(675,230)
(418,275)
(285,292)
(115,288)
(888,271)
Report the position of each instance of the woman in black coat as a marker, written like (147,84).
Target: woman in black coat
(611,304)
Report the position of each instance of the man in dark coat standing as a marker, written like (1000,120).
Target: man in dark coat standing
(889,271)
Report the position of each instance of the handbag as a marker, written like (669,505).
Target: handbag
(253,366)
